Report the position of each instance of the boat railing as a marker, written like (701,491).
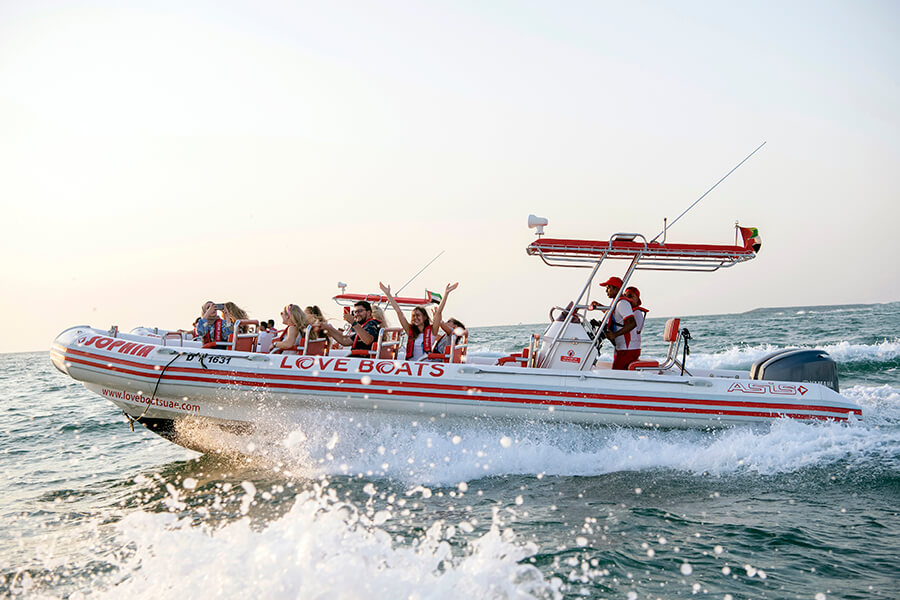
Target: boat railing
(388,343)
(459,345)
(173,338)
(654,256)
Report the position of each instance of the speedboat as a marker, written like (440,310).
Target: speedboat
(165,379)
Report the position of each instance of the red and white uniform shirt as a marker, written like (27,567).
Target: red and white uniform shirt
(640,314)
(629,341)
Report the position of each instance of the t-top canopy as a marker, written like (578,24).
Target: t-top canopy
(650,255)
(348,299)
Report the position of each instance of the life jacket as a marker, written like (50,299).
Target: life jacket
(612,324)
(411,343)
(210,338)
(636,307)
(358,344)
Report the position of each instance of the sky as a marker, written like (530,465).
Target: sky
(157,155)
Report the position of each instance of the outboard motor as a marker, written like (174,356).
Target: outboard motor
(807,366)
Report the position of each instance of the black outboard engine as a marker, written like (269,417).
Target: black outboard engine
(807,366)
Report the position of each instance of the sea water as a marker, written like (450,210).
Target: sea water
(381,506)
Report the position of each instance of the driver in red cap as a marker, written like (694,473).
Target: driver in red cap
(620,326)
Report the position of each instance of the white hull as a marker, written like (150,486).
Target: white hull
(164,385)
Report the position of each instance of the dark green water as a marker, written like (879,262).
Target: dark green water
(387,507)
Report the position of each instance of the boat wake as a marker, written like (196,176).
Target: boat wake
(447,451)
(311,551)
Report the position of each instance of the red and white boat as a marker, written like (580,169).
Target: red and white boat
(162,380)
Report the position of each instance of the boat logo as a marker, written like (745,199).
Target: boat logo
(121,346)
(768,387)
(364,365)
(570,357)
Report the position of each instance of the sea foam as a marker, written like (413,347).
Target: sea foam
(741,357)
(322,548)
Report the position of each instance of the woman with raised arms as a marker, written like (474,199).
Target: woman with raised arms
(421,333)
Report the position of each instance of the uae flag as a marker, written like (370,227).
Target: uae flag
(751,238)
(433,297)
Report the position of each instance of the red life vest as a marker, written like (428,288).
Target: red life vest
(612,314)
(358,344)
(411,343)
(636,307)
(210,340)
(614,325)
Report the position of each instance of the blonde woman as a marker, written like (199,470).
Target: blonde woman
(379,315)
(291,341)
(232,313)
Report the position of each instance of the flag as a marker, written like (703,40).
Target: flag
(433,296)
(751,238)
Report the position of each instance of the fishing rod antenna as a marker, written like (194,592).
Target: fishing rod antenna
(666,227)
(397,293)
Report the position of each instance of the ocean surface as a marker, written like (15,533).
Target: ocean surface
(379,506)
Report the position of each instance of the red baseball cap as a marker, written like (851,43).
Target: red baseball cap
(636,292)
(613,281)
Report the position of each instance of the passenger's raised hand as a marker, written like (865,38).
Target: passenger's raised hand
(385,288)
(450,287)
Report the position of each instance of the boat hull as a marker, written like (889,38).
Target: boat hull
(162,384)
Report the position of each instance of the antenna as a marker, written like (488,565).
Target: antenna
(537,223)
(707,192)
(397,293)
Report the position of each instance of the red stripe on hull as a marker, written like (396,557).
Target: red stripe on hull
(295,382)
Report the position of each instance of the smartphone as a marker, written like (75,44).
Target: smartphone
(220,306)
(346,310)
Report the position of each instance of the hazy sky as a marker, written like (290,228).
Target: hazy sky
(154,155)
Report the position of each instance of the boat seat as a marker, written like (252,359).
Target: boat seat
(317,347)
(518,359)
(643,364)
(388,342)
(313,347)
(671,334)
(244,342)
(455,352)
(459,347)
